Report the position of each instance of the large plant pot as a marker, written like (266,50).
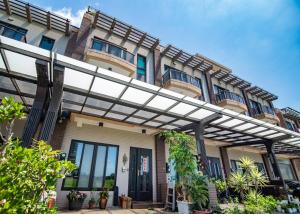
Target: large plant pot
(75,205)
(102,203)
(184,207)
(51,203)
(92,205)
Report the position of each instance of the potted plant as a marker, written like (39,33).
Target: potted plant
(181,153)
(92,201)
(75,199)
(51,199)
(103,198)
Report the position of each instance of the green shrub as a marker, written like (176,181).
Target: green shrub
(256,203)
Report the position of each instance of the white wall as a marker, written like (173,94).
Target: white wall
(124,139)
(35,32)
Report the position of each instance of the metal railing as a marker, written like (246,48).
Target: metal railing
(171,73)
(12,33)
(109,48)
(227,95)
(263,109)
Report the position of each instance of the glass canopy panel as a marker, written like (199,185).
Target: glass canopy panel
(72,107)
(26,65)
(164,118)
(98,103)
(217,108)
(224,132)
(212,129)
(181,122)
(171,93)
(220,120)
(6,83)
(235,135)
(210,135)
(255,130)
(161,103)
(145,114)
(93,111)
(295,143)
(231,123)
(266,133)
(136,96)
(123,109)
(152,123)
(74,62)
(275,135)
(145,85)
(230,112)
(290,140)
(245,126)
(182,109)
(73,97)
(201,114)
(193,100)
(220,138)
(113,74)
(26,87)
(2,65)
(77,79)
(169,127)
(135,120)
(116,116)
(106,87)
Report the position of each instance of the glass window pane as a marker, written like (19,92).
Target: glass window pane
(99,167)
(115,50)
(47,43)
(75,157)
(98,45)
(111,161)
(86,164)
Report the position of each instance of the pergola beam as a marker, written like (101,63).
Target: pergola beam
(176,57)
(142,40)
(112,26)
(28,13)
(7,7)
(127,34)
(196,67)
(165,51)
(48,20)
(155,45)
(216,73)
(67,31)
(188,61)
(96,19)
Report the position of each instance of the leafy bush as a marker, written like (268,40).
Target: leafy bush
(233,208)
(76,196)
(198,190)
(256,203)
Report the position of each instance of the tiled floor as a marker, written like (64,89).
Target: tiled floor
(116,211)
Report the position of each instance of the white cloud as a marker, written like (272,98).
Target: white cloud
(67,13)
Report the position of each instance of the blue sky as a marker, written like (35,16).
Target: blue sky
(259,40)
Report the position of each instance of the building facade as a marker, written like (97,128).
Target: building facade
(145,88)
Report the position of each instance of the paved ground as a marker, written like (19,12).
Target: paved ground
(116,211)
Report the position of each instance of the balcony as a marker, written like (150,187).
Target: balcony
(266,114)
(181,82)
(232,101)
(104,54)
(13,33)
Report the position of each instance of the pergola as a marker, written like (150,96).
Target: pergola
(45,80)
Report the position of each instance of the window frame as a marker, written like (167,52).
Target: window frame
(137,67)
(92,170)
(46,38)
(13,27)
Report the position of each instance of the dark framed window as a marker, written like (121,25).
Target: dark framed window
(96,166)
(214,166)
(141,68)
(12,31)
(47,43)
(286,169)
(255,107)
(219,89)
(260,167)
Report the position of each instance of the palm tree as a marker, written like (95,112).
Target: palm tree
(239,182)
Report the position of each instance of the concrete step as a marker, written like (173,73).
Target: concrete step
(146,204)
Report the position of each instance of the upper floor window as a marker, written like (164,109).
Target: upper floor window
(141,68)
(96,166)
(219,89)
(47,43)
(101,45)
(291,126)
(12,31)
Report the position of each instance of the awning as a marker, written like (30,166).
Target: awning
(95,91)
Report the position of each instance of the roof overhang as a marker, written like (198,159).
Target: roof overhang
(98,92)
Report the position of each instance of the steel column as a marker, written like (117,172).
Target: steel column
(51,116)
(225,161)
(37,109)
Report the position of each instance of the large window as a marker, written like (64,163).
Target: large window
(12,31)
(286,169)
(215,169)
(97,164)
(141,68)
(47,43)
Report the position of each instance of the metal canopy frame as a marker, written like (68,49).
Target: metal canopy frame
(36,14)
(95,91)
(291,113)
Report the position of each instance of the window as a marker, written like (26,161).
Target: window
(286,169)
(141,68)
(97,164)
(235,166)
(47,43)
(255,107)
(260,167)
(12,31)
(215,167)
(219,89)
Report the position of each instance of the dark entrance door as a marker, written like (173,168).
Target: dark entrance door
(140,174)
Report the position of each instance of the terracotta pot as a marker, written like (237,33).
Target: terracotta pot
(202,212)
(92,205)
(102,203)
(51,203)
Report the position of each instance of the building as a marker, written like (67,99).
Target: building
(103,92)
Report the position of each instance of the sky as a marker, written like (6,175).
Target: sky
(258,39)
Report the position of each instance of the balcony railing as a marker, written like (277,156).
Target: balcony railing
(174,74)
(263,109)
(227,95)
(12,33)
(109,48)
